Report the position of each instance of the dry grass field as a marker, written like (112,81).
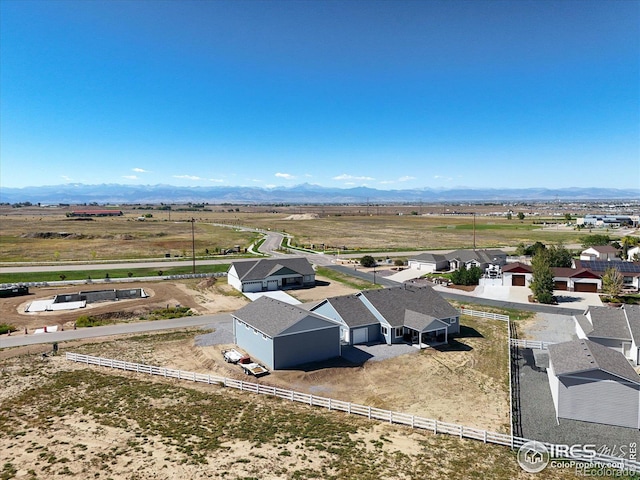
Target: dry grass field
(47,235)
(64,420)
(29,236)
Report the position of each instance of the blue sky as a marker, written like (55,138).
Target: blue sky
(388,94)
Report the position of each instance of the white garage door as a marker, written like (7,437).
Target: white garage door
(272,284)
(360,335)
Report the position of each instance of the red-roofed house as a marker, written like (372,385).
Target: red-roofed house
(576,280)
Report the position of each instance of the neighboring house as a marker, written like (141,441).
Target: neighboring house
(615,328)
(593,383)
(516,275)
(633,254)
(403,314)
(576,279)
(567,279)
(283,336)
(271,274)
(630,270)
(430,263)
(600,252)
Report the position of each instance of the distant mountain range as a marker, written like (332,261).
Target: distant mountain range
(304,193)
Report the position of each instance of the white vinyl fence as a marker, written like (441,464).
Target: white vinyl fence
(478,313)
(536,344)
(388,416)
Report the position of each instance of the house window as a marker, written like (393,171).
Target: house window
(398,332)
(384,330)
(452,321)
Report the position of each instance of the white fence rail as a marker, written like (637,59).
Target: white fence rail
(478,313)
(536,344)
(331,404)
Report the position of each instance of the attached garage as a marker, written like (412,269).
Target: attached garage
(585,287)
(518,280)
(360,335)
(356,321)
(560,285)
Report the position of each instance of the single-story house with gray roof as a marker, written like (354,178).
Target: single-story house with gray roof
(271,274)
(412,314)
(281,335)
(593,383)
(357,324)
(436,262)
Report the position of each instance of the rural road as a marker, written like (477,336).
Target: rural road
(120,329)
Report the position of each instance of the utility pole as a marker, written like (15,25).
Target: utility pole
(193,244)
(474,231)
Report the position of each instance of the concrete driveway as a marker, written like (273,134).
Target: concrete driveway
(572,300)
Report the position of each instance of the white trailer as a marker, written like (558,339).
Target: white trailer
(232,356)
(254,369)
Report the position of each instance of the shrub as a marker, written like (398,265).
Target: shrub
(6,328)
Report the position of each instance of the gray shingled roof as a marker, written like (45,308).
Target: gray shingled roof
(430,258)
(609,322)
(353,311)
(632,313)
(393,302)
(580,356)
(273,317)
(584,323)
(422,323)
(259,269)
(482,256)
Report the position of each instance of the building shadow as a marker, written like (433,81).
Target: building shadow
(468,332)
(453,345)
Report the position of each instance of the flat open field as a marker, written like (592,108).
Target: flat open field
(47,235)
(63,420)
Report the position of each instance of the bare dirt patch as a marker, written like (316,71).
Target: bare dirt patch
(202,297)
(324,288)
(65,420)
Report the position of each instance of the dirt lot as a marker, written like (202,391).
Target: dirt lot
(201,296)
(59,419)
(201,299)
(462,384)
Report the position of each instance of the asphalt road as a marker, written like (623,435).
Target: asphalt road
(120,329)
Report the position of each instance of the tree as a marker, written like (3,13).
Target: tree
(368,261)
(612,282)
(627,243)
(520,216)
(567,217)
(596,239)
(509,216)
(542,282)
(559,256)
(399,262)
(464,276)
